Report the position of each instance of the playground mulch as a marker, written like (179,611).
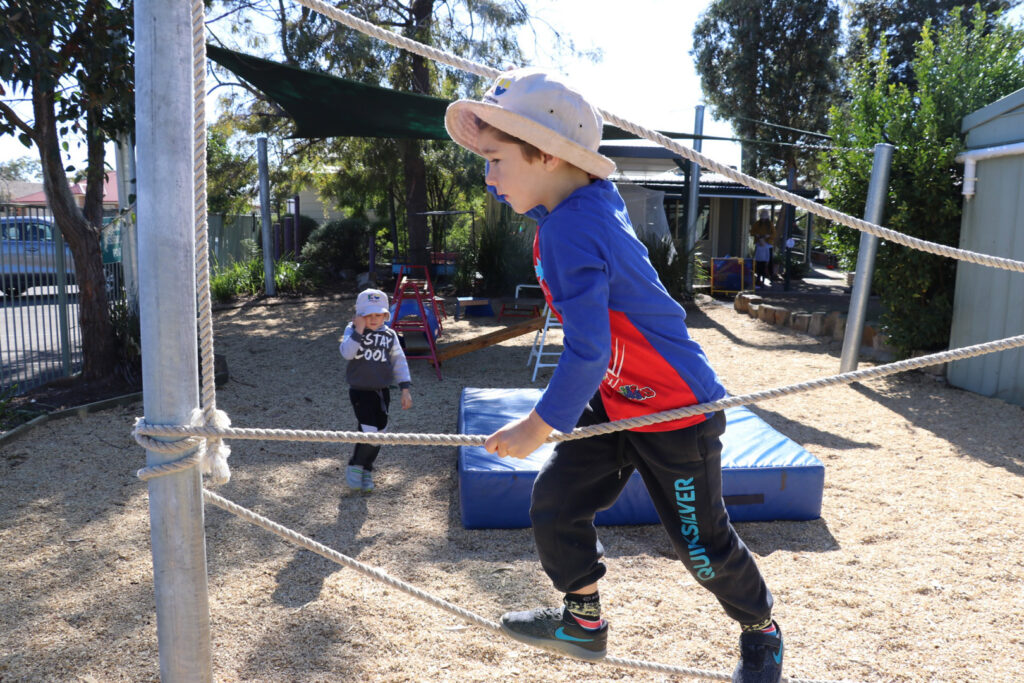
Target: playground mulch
(915,571)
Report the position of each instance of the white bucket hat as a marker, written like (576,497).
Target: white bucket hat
(539,108)
(372,301)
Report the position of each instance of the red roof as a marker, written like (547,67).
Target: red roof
(78,190)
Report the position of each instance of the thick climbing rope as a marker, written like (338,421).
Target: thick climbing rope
(467,616)
(214,453)
(145,430)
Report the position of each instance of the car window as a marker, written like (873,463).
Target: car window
(38,232)
(32,231)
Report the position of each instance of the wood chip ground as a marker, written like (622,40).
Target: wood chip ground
(915,571)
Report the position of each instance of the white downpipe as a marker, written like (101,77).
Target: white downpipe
(971,157)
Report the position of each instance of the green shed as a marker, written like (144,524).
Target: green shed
(989,303)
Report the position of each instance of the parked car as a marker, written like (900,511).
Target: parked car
(28,254)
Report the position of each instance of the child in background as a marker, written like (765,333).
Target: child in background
(762,255)
(375,361)
(627,353)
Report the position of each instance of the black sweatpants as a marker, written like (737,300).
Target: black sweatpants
(683,473)
(371,407)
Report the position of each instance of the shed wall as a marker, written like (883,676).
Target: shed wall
(989,303)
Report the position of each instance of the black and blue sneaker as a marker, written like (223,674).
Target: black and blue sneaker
(555,629)
(760,657)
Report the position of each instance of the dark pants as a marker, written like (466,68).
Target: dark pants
(683,473)
(761,271)
(371,407)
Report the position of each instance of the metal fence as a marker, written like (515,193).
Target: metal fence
(232,238)
(40,333)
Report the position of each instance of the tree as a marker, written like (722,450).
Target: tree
(231,177)
(379,175)
(23,168)
(899,24)
(771,61)
(74,60)
(955,71)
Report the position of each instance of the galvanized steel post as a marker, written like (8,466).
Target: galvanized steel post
(693,200)
(167,308)
(873,212)
(268,245)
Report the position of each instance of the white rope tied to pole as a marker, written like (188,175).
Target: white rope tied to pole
(768,189)
(467,616)
(215,452)
(143,429)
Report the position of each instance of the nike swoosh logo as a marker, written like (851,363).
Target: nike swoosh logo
(562,635)
(777,656)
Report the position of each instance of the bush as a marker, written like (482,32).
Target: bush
(669,263)
(505,256)
(957,71)
(336,246)
(247,277)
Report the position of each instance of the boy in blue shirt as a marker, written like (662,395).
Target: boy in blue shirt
(627,353)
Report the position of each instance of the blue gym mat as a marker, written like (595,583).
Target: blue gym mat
(765,475)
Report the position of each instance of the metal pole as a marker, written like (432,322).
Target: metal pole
(170,359)
(268,244)
(125,154)
(873,211)
(295,228)
(788,232)
(693,200)
(60,264)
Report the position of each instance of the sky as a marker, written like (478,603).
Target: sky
(646,74)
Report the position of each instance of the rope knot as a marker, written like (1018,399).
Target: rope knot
(211,453)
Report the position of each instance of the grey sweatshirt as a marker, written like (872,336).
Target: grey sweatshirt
(375,358)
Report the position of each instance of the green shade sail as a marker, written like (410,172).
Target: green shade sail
(325,106)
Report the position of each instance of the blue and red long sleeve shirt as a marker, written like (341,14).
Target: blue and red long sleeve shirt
(623,333)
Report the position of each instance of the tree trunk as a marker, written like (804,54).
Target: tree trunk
(415,201)
(412,157)
(98,351)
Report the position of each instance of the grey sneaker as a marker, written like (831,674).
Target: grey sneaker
(354,477)
(367,481)
(760,657)
(553,628)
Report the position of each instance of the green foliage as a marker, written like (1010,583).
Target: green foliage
(239,277)
(669,258)
(24,169)
(336,246)
(231,178)
(247,278)
(74,60)
(393,179)
(898,23)
(505,257)
(290,277)
(765,60)
(956,71)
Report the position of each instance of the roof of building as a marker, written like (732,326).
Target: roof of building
(77,189)
(1014,100)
